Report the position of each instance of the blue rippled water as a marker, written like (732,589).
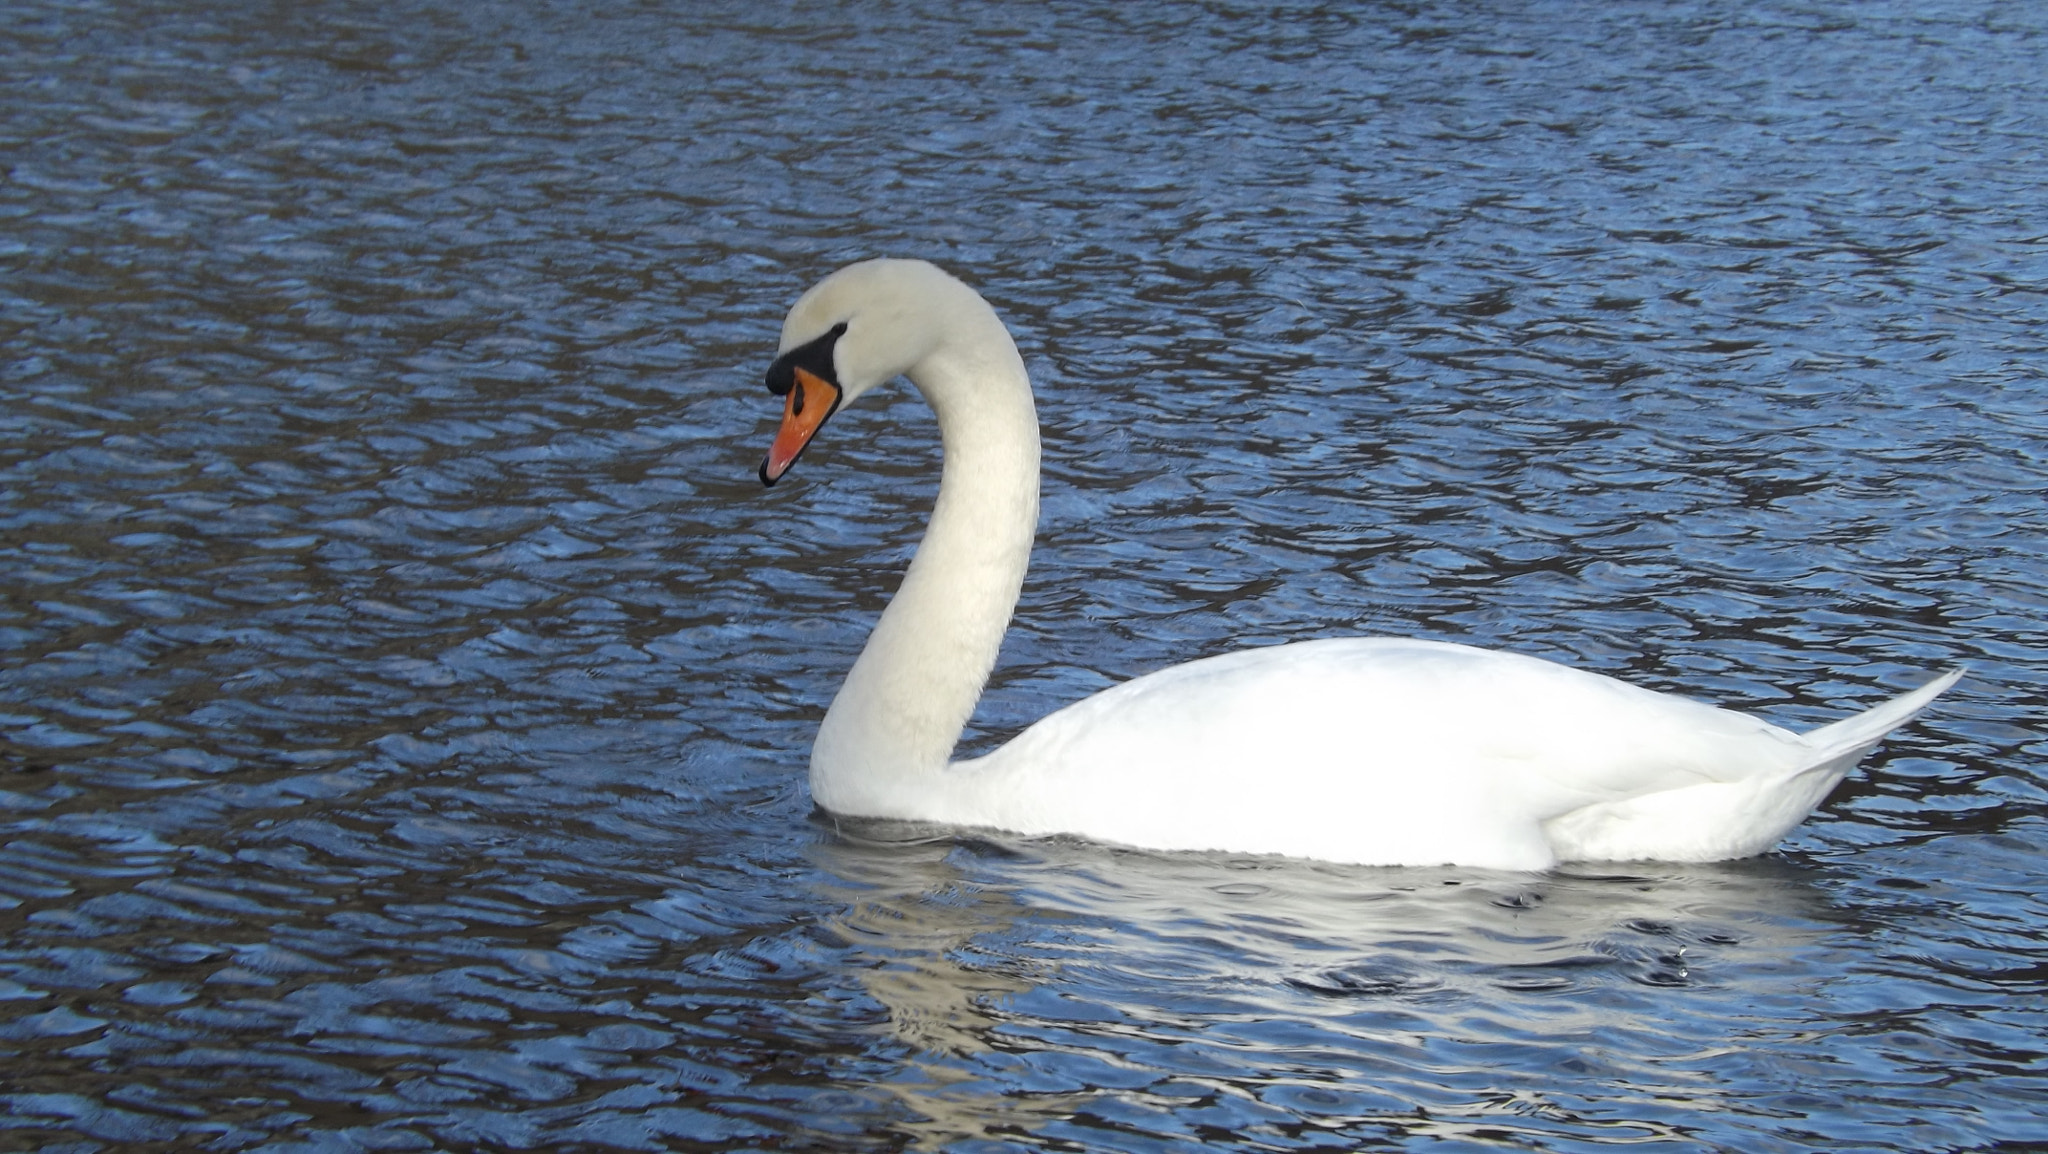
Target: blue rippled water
(407,687)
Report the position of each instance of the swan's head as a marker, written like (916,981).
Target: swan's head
(862,326)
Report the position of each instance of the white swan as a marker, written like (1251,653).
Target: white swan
(1370,750)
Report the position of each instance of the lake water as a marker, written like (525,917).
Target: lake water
(407,686)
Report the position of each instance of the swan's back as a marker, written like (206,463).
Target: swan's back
(1392,751)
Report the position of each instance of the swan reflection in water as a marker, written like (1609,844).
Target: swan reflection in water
(1028,982)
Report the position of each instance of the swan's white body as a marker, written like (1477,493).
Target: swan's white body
(1367,750)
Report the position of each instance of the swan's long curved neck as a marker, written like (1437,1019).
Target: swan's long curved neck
(886,741)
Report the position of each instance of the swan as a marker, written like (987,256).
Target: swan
(1375,751)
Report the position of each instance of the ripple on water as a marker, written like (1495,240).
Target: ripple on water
(404,684)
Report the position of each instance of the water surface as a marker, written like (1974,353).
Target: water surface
(407,685)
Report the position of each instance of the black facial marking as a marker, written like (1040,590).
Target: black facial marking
(814,357)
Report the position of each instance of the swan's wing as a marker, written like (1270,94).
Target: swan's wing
(1363,749)
(1426,709)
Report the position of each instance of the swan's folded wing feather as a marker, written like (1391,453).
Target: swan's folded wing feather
(1363,749)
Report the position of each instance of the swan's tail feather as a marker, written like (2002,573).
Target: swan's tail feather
(1856,734)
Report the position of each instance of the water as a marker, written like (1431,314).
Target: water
(407,686)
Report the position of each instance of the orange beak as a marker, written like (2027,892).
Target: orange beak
(810,400)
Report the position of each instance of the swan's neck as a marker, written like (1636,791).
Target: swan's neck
(886,741)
